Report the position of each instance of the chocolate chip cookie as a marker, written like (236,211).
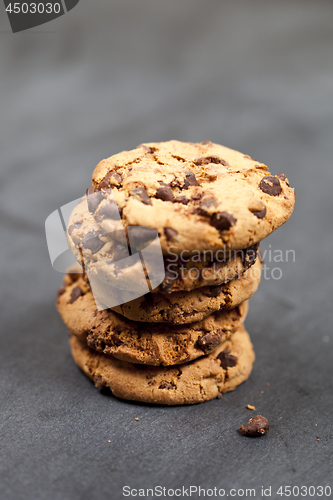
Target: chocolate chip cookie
(187,307)
(147,343)
(110,261)
(206,378)
(197,196)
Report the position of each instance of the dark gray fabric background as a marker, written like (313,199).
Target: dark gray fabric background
(253,75)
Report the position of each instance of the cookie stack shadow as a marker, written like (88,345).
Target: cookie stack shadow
(185,341)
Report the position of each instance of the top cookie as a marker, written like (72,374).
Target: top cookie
(197,196)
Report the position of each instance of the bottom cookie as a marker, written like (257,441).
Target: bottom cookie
(206,378)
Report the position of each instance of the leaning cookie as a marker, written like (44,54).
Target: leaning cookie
(109,261)
(206,378)
(147,343)
(187,307)
(197,196)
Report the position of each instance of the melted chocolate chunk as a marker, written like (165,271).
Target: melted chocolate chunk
(74,226)
(170,233)
(167,385)
(222,221)
(76,293)
(211,159)
(164,192)
(249,255)
(92,242)
(257,426)
(204,206)
(190,179)
(120,252)
(182,199)
(227,360)
(142,194)
(209,341)
(259,213)
(94,197)
(111,178)
(270,185)
(110,211)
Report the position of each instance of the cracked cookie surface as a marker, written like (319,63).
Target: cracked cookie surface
(200,380)
(146,343)
(197,196)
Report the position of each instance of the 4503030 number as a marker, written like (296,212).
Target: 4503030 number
(304,491)
(33,8)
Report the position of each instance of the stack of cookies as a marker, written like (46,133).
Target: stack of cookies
(168,242)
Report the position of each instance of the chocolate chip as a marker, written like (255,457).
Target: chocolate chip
(61,291)
(92,242)
(209,341)
(164,192)
(259,213)
(249,255)
(116,178)
(270,185)
(94,197)
(167,385)
(211,159)
(175,183)
(190,179)
(120,252)
(170,233)
(281,176)
(205,205)
(76,293)
(222,221)
(142,194)
(257,426)
(206,143)
(111,178)
(140,237)
(227,360)
(74,226)
(182,199)
(110,211)
(212,291)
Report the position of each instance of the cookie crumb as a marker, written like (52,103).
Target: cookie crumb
(318,439)
(268,384)
(261,392)
(250,407)
(257,426)
(137,419)
(109,441)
